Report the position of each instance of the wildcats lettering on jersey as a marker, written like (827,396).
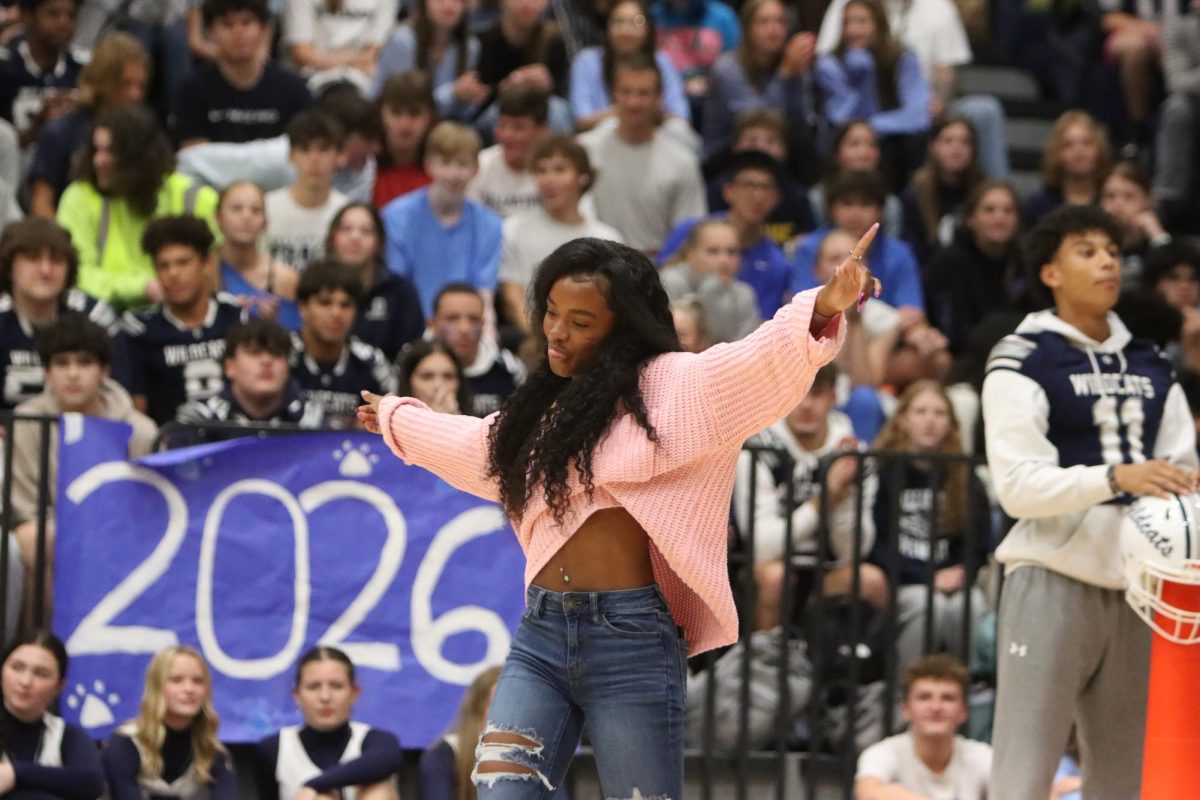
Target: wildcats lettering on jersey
(338,406)
(176,354)
(1105,407)
(1091,384)
(335,387)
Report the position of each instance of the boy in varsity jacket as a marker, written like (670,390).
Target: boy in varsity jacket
(1079,417)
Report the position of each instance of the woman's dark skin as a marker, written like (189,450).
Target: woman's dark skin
(610,550)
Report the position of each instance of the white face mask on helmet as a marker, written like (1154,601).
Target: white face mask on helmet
(1160,544)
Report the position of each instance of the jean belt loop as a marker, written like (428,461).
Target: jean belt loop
(539,602)
(594,599)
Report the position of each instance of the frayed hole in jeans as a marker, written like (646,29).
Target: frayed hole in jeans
(499,756)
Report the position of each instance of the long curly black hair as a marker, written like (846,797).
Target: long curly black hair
(551,425)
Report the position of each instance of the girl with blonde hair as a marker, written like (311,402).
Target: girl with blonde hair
(117,75)
(943,524)
(1076,160)
(261,283)
(171,748)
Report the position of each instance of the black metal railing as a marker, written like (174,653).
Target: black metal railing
(18,427)
(888,468)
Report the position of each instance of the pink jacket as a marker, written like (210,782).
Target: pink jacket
(703,407)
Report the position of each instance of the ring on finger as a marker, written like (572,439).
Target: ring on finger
(856,257)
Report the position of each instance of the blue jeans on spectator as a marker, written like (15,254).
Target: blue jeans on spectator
(613,660)
(986,116)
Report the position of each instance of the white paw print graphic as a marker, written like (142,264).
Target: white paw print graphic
(94,706)
(355,462)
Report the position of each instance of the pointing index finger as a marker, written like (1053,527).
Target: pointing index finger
(864,243)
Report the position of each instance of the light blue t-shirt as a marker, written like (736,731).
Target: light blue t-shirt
(431,255)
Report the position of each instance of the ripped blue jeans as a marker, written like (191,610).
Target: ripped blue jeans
(613,661)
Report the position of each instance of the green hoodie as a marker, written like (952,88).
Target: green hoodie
(108,235)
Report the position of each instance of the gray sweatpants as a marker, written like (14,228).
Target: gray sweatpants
(1068,652)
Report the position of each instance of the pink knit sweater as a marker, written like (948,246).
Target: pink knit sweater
(703,408)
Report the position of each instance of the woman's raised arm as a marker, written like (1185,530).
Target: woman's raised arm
(451,446)
(731,391)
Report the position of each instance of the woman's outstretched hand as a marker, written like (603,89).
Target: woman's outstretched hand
(368,414)
(851,283)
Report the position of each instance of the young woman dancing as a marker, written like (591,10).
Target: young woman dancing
(615,461)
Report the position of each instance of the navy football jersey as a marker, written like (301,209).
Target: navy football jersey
(1105,408)
(170,363)
(21,371)
(336,387)
(224,407)
(24,86)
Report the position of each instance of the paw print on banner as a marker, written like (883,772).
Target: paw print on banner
(355,462)
(94,706)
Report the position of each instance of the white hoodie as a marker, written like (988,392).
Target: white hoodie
(1064,521)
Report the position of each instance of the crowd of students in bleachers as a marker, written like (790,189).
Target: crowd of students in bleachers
(242,211)
(173,747)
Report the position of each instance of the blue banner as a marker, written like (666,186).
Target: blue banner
(254,550)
